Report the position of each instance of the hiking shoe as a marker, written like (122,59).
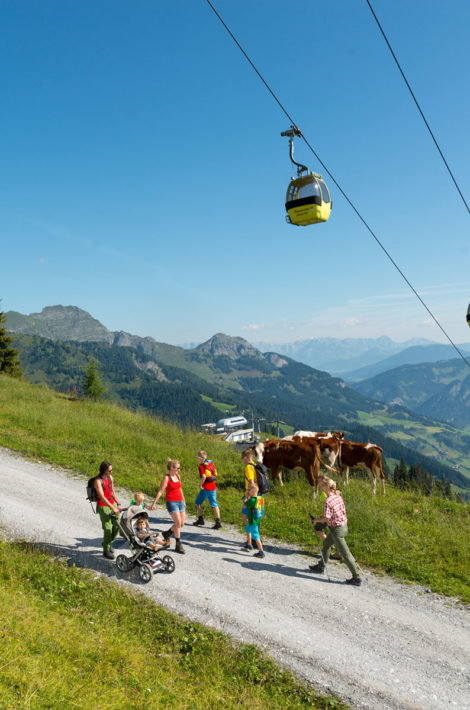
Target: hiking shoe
(354,581)
(199,521)
(318,568)
(179,547)
(108,554)
(167,534)
(335,556)
(217,525)
(260,553)
(247,547)
(165,543)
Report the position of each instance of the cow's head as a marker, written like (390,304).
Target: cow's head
(259,451)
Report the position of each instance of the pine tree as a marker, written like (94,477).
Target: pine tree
(92,385)
(9,361)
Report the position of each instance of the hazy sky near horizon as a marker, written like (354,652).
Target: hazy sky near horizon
(144,174)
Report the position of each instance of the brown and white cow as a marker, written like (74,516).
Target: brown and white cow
(367,456)
(328,442)
(277,454)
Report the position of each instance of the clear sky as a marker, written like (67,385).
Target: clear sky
(143,175)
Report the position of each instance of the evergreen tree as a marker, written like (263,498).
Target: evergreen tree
(92,385)
(401,477)
(9,361)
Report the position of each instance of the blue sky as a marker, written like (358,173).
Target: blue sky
(143,173)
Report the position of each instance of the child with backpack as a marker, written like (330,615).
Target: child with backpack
(251,477)
(207,478)
(255,511)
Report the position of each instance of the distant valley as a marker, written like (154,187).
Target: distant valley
(439,389)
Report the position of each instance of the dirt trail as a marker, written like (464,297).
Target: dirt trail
(380,646)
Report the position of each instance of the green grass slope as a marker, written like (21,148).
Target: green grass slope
(71,640)
(426,540)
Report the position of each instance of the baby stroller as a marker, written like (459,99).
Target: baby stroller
(145,558)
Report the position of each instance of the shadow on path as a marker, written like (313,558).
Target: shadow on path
(257,564)
(80,555)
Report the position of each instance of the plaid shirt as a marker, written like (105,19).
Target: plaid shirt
(334,511)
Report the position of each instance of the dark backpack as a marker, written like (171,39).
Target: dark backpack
(91,491)
(262,478)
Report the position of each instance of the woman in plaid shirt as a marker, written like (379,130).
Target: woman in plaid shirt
(334,515)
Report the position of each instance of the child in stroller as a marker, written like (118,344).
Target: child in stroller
(144,556)
(145,535)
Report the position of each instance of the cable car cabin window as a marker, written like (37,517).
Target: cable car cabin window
(292,193)
(310,190)
(324,189)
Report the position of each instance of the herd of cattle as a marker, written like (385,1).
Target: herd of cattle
(309,450)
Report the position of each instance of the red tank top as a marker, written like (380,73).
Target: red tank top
(107,492)
(173,490)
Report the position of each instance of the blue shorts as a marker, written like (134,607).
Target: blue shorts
(211,496)
(175,506)
(252,530)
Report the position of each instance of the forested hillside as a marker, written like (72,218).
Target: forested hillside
(440,390)
(268,387)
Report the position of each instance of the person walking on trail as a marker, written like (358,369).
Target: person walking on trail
(255,510)
(250,476)
(208,476)
(320,527)
(175,502)
(108,507)
(334,515)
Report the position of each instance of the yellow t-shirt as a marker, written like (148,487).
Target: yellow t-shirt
(250,474)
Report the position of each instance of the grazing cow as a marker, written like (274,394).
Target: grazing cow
(328,442)
(367,456)
(278,453)
(329,447)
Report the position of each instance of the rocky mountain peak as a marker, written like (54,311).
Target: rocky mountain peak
(60,323)
(231,347)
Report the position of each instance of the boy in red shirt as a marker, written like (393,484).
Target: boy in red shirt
(208,475)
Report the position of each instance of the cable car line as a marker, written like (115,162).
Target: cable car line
(351,204)
(418,106)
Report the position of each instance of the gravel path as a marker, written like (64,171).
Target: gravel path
(383,645)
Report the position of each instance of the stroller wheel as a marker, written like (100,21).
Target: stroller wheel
(122,563)
(168,563)
(145,573)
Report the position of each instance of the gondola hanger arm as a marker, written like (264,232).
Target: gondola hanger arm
(290,133)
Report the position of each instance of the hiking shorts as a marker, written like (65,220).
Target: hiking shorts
(252,530)
(211,496)
(175,506)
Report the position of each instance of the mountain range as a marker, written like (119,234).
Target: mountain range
(339,356)
(410,356)
(228,374)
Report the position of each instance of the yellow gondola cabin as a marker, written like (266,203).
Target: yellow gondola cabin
(308,200)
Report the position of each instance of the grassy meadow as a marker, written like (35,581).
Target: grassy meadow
(71,639)
(409,536)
